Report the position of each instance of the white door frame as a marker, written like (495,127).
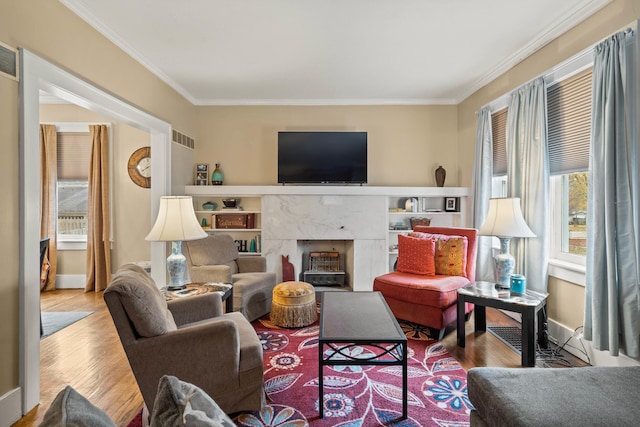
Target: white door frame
(35,74)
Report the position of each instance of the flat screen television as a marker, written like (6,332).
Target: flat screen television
(322,157)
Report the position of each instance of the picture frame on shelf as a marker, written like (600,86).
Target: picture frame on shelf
(201,174)
(451,204)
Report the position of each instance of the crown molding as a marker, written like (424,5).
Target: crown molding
(323,102)
(560,26)
(79,9)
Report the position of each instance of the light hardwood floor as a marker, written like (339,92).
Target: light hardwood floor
(88,356)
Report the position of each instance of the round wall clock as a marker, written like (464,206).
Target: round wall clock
(139,167)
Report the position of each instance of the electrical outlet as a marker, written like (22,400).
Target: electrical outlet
(578,333)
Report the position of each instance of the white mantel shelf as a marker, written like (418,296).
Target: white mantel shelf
(325,190)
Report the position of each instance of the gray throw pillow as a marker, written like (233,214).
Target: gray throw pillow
(71,409)
(145,305)
(179,403)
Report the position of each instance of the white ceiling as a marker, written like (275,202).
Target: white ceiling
(334,52)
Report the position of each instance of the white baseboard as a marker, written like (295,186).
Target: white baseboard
(560,333)
(10,407)
(70,281)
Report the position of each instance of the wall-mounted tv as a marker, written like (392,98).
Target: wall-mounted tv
(322,157)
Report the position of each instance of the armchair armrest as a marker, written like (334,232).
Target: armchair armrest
(216,343)
(210,273)
(252,264)
(195,308)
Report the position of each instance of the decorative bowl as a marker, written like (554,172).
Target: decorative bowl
(209,206)
(230,203)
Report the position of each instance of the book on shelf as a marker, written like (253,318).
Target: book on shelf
(399,227)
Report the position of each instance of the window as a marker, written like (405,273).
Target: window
(499,136)
(569,217)
(576,187)
(569,127)
(74,149)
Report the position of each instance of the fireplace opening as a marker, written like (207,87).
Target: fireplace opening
(326,262)
(324,269)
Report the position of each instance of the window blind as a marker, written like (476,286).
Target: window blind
(569,123)
(74,151)
(499,135)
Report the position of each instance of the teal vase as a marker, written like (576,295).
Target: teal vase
(217,177)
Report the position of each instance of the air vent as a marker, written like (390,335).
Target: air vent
(8,62)
(182,139)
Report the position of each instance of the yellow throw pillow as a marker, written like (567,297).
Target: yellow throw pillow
(451,256)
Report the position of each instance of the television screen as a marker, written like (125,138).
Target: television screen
(322,157)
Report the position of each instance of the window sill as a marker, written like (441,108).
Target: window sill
(71,245)
(568,271)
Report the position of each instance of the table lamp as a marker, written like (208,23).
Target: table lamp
(505,221)
(176,223)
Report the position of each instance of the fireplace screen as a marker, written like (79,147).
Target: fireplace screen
(324,269)
(324,261)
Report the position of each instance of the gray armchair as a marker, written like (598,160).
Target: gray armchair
(189,338)
(216,259)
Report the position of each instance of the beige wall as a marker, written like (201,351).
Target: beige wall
(405,143)
(131,203)
(50,30)
(9,220)
(565,304)
(566,299)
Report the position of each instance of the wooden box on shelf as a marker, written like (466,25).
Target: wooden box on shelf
(227,221)
(419,221)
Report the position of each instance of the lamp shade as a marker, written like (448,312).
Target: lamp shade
(176,221)
(505,219)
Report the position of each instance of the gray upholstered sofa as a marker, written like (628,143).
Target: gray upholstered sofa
(216,259)
(581,397)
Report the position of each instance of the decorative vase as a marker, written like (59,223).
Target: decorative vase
(441,174)
(217,177)
(204,223)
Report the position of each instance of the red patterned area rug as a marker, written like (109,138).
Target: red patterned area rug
(136,421)
(357,396)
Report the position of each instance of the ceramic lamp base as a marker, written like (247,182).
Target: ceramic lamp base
(176,266)
(504,264)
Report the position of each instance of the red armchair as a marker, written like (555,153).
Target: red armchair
(429,300)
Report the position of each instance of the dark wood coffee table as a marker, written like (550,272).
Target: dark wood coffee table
(355,319)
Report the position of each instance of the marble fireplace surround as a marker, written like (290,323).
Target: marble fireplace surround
(290,224)
(292,216)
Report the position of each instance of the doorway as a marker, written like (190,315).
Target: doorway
(38,74)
